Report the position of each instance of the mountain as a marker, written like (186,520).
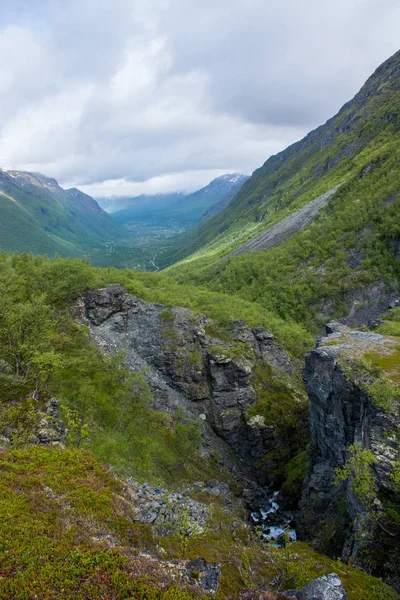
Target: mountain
(179,211)
(193,381)
(139,204)
(37,215)
(315,231)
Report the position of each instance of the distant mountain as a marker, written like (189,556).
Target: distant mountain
(37,215)
(179,210)
(139,204)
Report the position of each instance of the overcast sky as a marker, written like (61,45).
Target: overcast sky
(122,97)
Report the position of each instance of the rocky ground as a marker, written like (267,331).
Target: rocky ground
(280,232)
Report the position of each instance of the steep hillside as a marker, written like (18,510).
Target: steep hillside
(37,215)
(104,375)
(351,242)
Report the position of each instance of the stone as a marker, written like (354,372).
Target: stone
(205,574)
(328,587)
(51,429)
(257,421)
(212,483)
(334,327)
(167,511)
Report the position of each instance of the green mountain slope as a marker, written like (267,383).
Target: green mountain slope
(350,243)
(37,215)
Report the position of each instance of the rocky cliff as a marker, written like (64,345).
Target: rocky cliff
(350,504)
(188,369)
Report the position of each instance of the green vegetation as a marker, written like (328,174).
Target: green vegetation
(358,467)
(44,353)
(67,530)
(297,277)
(352,243)
(245,560)
(391,323)
(383,393)
(283,403)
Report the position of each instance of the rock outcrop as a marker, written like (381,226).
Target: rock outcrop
(46,427)
(344,413)
(328,587)
(206,574)
(169,513)
(187,368)
(51,428)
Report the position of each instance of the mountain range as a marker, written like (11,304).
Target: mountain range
(168,435)
(37,215)
(179,210)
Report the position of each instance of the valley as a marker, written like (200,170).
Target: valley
(200,393)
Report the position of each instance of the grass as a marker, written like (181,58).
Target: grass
(67,530)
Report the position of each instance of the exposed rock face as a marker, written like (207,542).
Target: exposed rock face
(48,429)
(342,414)
(328,587)
(365,305)
(187,368)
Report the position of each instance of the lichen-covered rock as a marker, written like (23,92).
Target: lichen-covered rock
(169,513)
(51,429)
(328,587)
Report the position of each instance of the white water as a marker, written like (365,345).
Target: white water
(265,519)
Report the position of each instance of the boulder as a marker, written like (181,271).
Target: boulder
(205,574)
(328,587)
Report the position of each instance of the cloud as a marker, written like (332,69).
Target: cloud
(145,95)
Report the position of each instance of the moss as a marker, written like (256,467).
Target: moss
(384,394)
(167,315)
(233,350)
(195,358)
(57,506)
(295,472)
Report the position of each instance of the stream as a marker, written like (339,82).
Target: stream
(273,524)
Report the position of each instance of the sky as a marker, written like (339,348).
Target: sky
(124,97)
